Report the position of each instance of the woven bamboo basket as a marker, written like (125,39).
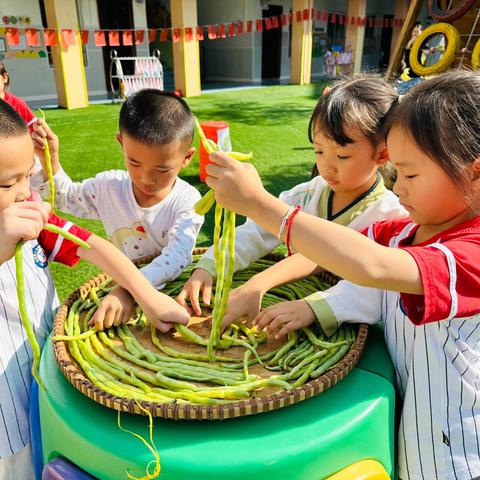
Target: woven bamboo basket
(263,402)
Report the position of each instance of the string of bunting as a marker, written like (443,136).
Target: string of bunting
(49,37)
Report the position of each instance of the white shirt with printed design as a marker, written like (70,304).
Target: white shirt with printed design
(167,230)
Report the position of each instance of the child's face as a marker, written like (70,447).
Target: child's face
(351,168)
(424,189)
(153,169)
(16,164)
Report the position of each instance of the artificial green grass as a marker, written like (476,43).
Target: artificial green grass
(271,122)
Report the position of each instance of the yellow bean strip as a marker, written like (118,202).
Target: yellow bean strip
(151,446)
(48,164)
(222,248)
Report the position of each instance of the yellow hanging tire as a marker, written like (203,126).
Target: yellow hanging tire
(449,15)
(476,56)
(453,44)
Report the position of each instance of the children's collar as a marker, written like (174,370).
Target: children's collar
(331,193)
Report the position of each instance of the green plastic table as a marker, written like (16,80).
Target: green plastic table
(352,421)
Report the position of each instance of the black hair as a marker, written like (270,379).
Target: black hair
(155,117)
(3,71)
(361,101)
(442,116)
(11,123)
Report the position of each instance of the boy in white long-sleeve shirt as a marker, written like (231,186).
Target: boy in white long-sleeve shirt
(146,210)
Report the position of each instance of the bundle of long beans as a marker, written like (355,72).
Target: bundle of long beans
(119,363)
(224,248)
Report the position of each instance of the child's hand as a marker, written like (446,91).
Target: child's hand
(237,185)
(285,317)
(162,311)
(199,280)
(116,308)
(244,301)
(42,134)
(21,221)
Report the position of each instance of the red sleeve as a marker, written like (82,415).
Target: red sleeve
(58,248)
(26,113)
(382,232)
(22,108)
(450,273)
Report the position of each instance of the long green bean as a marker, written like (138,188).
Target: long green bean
(48,164)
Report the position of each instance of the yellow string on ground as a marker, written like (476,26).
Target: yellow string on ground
(151,446)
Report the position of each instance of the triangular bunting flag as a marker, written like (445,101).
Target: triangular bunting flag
(127,37)
(212,34)
(31,36)
(139,37)
(176,35)
(164,34)
(13,37)
(99,38)
(221,31)
(114,38)
(84,34)
(68,37)
(152,33)
(49,37)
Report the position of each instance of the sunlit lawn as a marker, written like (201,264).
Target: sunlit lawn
(271,122)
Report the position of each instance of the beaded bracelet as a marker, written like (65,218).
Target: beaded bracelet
(281,232)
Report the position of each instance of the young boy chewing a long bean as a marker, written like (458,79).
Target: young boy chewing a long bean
(146,210)
(345,129)
(23,219)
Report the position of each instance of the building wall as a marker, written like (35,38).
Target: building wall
(240,58)
(321,29)
(371,56)
(24,64)
(30,75)
(230,59)
(94,70)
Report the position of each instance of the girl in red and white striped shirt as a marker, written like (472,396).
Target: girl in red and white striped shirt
(22,219)
(420,275)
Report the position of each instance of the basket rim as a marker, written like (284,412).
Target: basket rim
(185,411)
